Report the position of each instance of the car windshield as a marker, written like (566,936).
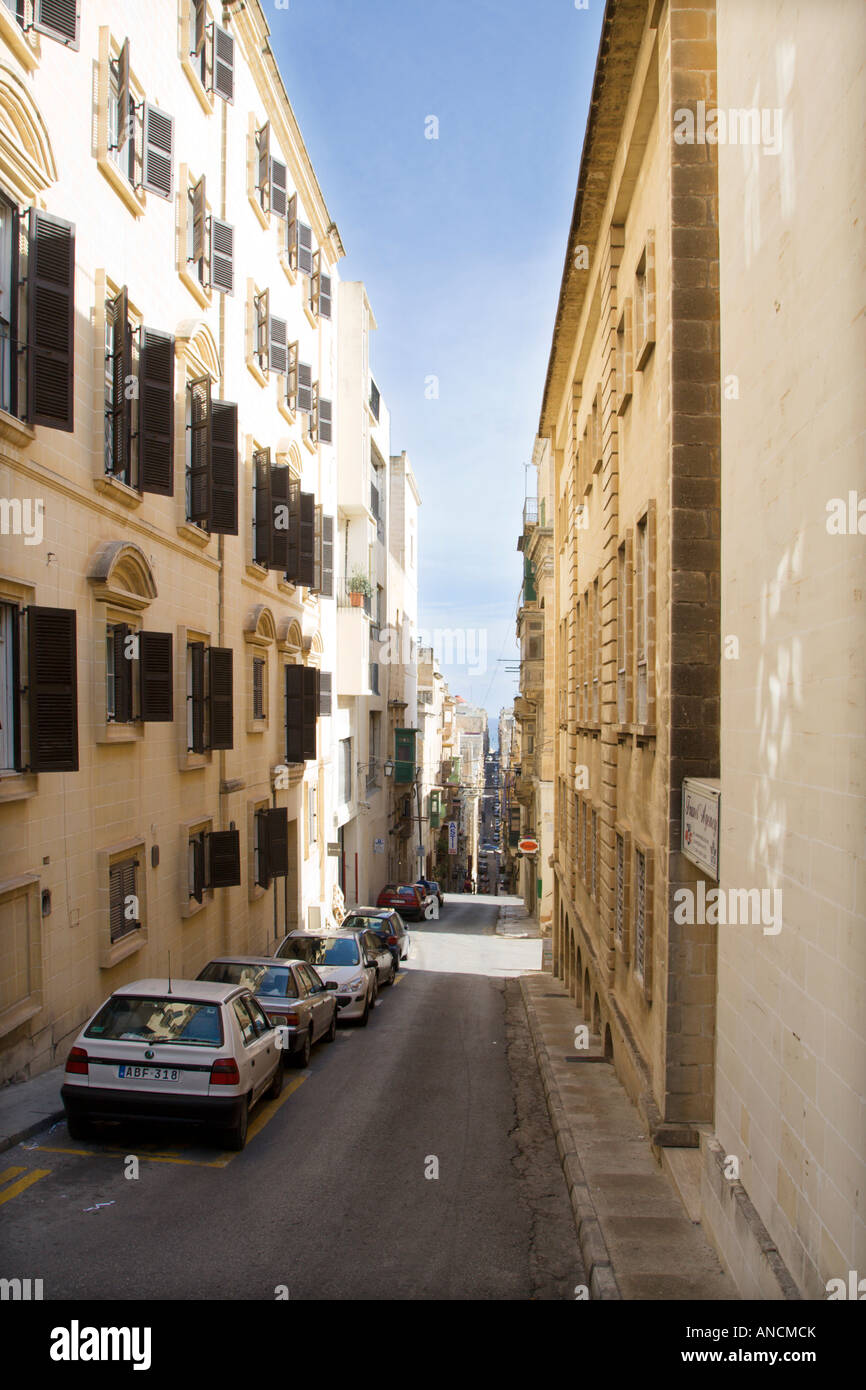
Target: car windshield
(321,950)
(130,1018)
(272,980)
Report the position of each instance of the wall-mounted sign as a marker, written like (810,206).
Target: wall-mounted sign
(700,822)
(333,846)
(378,846)
(528,846)
(452,837)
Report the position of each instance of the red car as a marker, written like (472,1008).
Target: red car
(409,900)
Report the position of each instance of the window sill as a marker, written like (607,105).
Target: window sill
(13,36)
(191,532)
(286,588)
(110,956)
(193,762)
(287,269)
(624,402)
(256,571)
(17,786)
(644,732)
(119,733)
(643,354)
(135,202)
(256,372)
(15,431)
(200,293)
(257,726)
(260,213)
(310,316)
(203,97)
(122,492)
(19,1013)
(192,908)
(309,443)
(285,410)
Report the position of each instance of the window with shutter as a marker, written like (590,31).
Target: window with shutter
(223,519)
(262,510)
(317,549)
(324,420)
(199,455)
(224,859)
(197,866)
(639,914)
(279,520)
(325,693)
(276,821)
(327,585)
(292,376)
(222,253)
(294,715)
(261,862)
(311,709)
(261,310)
(118,370)
(293,538)
(306,559)
(258,687)
(52,689)
(119,674)
(156,412)
(223,64)
(124,908)
(278,356)
(263,178)
(197,29)
(156,672)
(51,320)
(158,151)
(10,685)
(195,698)
(198,225)
(304,250)
(121,115)
(325,297)
(221,697)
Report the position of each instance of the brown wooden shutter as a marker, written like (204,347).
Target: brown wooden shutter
(327,589)
(277,821)
(199,220)
(224,854)
(198,867)
(317,549)
(51,321)
(198,27)
(195,696)
(223,63)
(157,677)
(222,254)
(292,230)
(158,176)
(325,693)
(156,413)
(263,140)
(52,688)
(263,866)
(311,709)
(58,19)
(264,510)
(121,369)
(122,671)
(295,714)
(292,376)
(280,520)
(306,566)
(223,519)
(261,304)
(293,545)
(221,697)
(198,482)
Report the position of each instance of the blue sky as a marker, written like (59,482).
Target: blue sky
(460,242)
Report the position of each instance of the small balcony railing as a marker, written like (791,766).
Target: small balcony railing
(346,599)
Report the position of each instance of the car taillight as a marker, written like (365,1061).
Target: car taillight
(291,1019)
(282,1015)
(224,1072)
(392,941)
(76,1062)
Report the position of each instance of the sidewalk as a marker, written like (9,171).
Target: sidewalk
(26,1107)
(514,920)
(635,1236)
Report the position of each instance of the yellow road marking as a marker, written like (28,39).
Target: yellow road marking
(10,1173)
(265,1112)
(23,1183)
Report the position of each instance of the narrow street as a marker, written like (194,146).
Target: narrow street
(330,1197)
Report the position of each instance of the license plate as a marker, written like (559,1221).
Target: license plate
(149,1073)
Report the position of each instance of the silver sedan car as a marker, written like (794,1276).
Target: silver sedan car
(293,996)
(337,956)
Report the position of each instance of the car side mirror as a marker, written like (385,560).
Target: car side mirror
(331,984)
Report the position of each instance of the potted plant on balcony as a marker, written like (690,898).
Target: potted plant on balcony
(359,588)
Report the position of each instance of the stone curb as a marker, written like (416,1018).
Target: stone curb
(593,1248)
(8,1141)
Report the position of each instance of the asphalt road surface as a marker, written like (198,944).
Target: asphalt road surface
(413,1160)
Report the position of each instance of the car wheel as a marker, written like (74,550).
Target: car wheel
(331,1034)
(393,975)
(236,1137)
(365,1016)
(77,1128)
(301,1059)
(276,1085)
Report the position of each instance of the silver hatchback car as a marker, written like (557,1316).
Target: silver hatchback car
(337,956)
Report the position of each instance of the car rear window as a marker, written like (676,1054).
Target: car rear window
(408,892)
(273,980)
(321,950)
(132,1018)
(356,923)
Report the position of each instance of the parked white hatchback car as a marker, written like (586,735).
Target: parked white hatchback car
(338,956)
(190,1051)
